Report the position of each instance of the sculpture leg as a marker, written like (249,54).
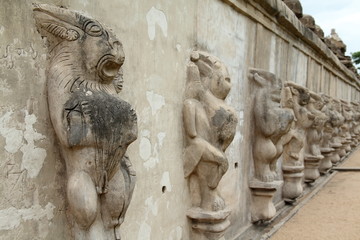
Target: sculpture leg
(264,152)
(116,201)
(83,202)
(217,165)
(210,198)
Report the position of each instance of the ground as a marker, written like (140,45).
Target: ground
(333,214)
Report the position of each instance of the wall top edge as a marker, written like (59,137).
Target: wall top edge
(283,15)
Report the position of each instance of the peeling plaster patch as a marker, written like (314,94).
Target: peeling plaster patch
(151,163)
(145,147)
(165,181)
(144,232)
(2,29)
(11,218)
(145,229)
(33,157)
(161,137)
(153,17)
(178,47)
(152,206)
(241,118)
(150,152)
(176,234)
(156,101)
(272,58)
(13,137)
(85,2)
(238,137)
(241,114)
(4,87)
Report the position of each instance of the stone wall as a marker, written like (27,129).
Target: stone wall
(158,38)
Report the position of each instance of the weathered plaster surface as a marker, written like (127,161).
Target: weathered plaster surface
(165,181)
(156,17)
(24,140)
(158,37)
(11,218)
(156,101)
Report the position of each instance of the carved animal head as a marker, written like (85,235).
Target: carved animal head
(315,106)
(355,108)
(265,79)
(287,98)
(337,110)
(347,110)
(325,98)
(213,73)
(87,49)
(300,93)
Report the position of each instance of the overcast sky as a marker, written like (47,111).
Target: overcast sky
(343,15)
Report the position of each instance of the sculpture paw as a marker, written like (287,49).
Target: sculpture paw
(268,177)
(85,107)
(219,204)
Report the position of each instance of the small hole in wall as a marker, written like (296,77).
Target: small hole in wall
(163,189)
(236,165)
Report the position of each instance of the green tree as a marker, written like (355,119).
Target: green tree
(356,58)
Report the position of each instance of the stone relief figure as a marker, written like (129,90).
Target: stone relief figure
(346,127)
(210,126)
(335,120)
(325,145)
(312,155)
(338,139)
(293,165)
(93,125)
(355,126)
(271,123)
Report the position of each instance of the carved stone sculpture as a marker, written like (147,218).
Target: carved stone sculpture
(296,98)
(325,146)
(346,127)
(339,139)
(93,125)
(319,32)
(308,22)
(295,6)
(355,126)
(293,170)
(271,123)
(336,121)
(210,126)
(312,155)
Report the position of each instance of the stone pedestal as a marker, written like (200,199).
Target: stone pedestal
(292,187)
(335,157)
(311,164)
(347,143)
(208,224)
(354,141)
(263,208)
(326,163)
(342,149)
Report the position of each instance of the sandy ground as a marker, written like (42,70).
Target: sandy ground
(333,214)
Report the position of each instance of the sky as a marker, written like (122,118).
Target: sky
(343,15)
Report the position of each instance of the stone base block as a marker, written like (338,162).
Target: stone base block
(326,162)
(262,206)
(312,167)
(292,187)
(209,224)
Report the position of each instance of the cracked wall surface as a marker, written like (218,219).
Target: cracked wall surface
(158,37)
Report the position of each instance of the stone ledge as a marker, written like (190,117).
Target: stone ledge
(290,23)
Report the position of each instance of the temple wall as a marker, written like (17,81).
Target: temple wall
(158,37)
